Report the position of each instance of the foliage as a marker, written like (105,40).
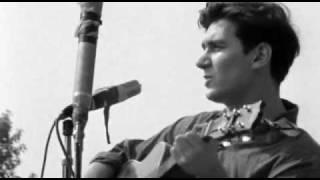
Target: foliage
(10,147)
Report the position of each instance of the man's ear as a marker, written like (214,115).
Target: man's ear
(263,54)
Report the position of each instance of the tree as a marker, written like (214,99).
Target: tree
(10,147)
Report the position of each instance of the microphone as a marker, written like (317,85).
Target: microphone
(87,33)
(108,96)
(105,97)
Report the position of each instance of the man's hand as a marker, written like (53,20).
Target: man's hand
(197,157)
(99,170)
(91,7)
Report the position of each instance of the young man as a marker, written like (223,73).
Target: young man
(248,50)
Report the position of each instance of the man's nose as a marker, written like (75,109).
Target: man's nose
(204,62)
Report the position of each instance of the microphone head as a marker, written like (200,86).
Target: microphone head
(128,90)
(112,95)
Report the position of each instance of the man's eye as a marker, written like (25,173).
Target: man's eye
(214,48)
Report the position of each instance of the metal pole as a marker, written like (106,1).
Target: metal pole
(67,162)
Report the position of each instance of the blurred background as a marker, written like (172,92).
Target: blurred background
(157,44)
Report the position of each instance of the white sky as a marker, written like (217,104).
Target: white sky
(156,43)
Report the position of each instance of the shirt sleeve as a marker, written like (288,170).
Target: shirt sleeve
(138,149)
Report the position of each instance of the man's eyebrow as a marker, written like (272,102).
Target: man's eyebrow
(206,43)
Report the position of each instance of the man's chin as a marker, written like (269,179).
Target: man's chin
(212,95)
(216,96)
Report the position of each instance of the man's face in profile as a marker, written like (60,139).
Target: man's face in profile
(227,68)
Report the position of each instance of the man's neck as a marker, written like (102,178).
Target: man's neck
(274,107)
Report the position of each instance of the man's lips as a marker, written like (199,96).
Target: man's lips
(208,80)
(207,77)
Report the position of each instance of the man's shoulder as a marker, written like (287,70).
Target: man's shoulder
(297,157)
(302,149)
(304,144)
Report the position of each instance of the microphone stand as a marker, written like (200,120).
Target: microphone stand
(67,162)
(68,128)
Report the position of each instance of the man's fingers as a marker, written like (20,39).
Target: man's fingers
(177,151)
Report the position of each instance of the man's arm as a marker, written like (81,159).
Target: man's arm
(107,164)
(99,170)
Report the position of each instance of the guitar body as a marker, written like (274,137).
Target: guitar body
(143,169)
(158,164)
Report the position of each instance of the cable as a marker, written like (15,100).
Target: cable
(60,141)
(46,149)
(65,113)
(62,146)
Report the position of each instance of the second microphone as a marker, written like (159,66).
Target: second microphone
(108,96)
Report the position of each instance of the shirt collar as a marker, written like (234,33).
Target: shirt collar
(291,111)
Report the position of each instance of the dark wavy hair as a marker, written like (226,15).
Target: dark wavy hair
(258,22)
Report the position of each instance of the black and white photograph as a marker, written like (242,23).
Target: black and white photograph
(159,90)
